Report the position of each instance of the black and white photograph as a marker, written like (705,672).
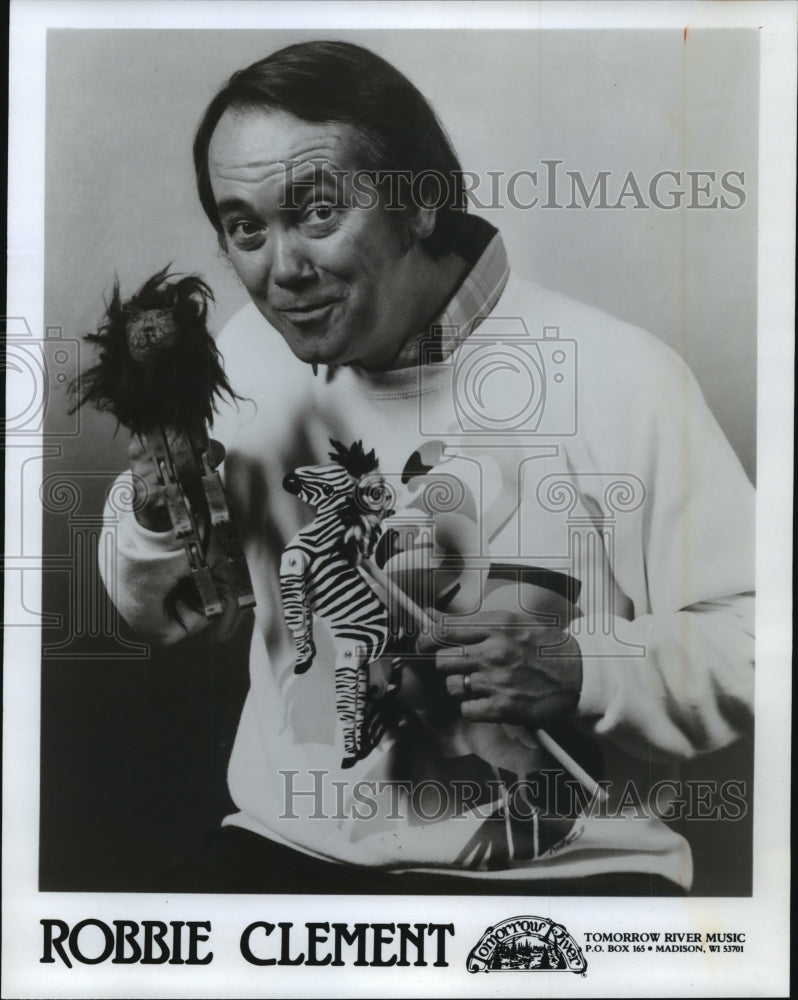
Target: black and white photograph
(398,491)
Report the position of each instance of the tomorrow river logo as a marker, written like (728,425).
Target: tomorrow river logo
(526,944)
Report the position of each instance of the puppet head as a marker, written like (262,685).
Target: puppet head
(351,486)
(157,362)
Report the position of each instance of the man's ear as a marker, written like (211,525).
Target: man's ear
(421,221)
(423,212)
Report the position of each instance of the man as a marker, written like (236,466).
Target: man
(568,528)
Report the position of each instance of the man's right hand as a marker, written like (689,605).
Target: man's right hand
(149,506)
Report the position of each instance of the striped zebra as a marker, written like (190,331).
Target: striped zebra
(318,573)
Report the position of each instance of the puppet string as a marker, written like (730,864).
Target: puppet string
(421,617)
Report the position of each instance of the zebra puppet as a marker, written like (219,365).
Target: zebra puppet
(319,573)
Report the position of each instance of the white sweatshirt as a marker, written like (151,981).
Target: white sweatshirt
(584,447)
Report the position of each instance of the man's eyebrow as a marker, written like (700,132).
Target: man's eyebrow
(307,170)
(302,190)
(228,206)
(298,188)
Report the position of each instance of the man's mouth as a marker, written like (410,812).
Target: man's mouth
(308,312)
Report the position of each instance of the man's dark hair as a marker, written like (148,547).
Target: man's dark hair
(337,82)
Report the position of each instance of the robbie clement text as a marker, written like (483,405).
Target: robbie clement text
(155,942)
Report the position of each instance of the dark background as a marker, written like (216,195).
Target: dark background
(134,759)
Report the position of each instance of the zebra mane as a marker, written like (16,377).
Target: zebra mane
(354,459)
(363,530)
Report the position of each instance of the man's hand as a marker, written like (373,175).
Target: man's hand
(149,505)
(502,667)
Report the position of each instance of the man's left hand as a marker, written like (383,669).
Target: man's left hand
(502,667)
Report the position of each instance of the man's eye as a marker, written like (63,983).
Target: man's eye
(247,235)
(320,215)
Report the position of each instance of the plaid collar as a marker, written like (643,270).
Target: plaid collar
(472,301)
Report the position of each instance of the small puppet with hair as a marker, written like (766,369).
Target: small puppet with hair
(158,370)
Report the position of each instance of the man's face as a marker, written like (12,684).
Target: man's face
(334,278)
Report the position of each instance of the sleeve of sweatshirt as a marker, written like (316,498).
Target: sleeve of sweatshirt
(691,691)
(145,567)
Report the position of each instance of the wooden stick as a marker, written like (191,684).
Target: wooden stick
(420,616)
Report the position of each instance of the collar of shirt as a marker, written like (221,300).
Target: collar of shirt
(472,300)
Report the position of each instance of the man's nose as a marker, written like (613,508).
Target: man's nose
(290,264)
